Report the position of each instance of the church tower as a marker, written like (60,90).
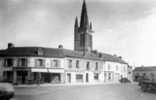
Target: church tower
(83,32)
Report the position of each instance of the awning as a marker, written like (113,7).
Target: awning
(56,70)
(38,70)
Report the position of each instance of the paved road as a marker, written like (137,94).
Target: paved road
(96,92)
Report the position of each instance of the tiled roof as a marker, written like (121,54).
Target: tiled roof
(145,68)
(56,52)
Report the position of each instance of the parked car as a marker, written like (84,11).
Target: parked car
(124,80)
(6,91)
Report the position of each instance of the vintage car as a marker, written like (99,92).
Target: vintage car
(124,80)
(6,91)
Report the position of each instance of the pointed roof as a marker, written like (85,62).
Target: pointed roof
(90,25)
(84,23)
(76,22)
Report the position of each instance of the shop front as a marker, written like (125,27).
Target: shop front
(35,76)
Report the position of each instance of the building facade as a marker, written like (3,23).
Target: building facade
(36,65)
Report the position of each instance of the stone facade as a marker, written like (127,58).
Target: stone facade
(83,32)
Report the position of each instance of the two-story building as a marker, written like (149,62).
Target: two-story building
(28,65)
(24,65)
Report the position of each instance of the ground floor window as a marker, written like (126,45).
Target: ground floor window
(109,76)
(96,76)
(79,78)
(69,77)
(8,76)
(46,77)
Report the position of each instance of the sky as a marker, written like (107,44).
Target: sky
(122,27)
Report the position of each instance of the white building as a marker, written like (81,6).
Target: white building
(28,65)
(57,65)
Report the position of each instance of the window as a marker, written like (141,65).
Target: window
(152,76)
(81,40)
(109,67)
(88,66)
(22,62)
(69,63)
(79,78)
(40,62)
(69,77)
(96,76)
(96,66)
(8,62)
(56,63)
(116,67)
(77,63)
(124,69)
(109,76)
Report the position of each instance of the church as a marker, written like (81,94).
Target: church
(83,65)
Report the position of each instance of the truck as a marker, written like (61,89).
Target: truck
(147,78)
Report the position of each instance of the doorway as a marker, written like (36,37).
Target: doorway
(22,77)
(87,77)
(69,78)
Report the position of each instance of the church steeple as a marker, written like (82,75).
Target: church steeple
(76,26)
(83,32)
(76,22)
(84,23)
(90,26)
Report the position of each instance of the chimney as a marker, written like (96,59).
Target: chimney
(120,57)
(100,55)
(10,45)
(60,46)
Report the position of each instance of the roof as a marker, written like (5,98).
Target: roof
(56,52)
(146,68)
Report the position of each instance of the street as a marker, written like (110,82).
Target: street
(92,92)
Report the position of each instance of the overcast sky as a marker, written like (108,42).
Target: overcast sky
(123,27)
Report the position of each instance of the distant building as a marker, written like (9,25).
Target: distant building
(138,72)
(29,65)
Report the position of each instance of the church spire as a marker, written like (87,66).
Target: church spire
(90,26)
(76,24)
(84,23)
(82,32)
